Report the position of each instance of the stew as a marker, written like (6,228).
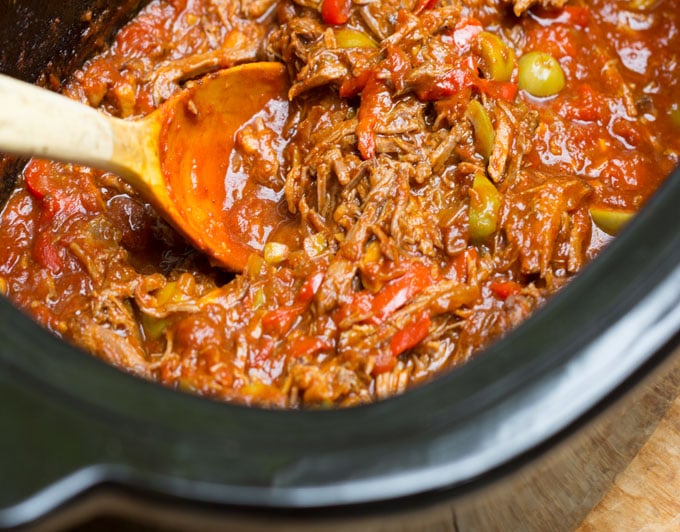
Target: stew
(441,168)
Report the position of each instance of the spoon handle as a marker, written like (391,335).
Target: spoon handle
(37,122)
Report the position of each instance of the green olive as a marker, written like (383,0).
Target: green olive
(498,57)
(609,220)
(485,205)
(484,134)
(540,74)
(348,38)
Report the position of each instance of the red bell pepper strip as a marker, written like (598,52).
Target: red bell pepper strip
(453,82)
(375,102)
(399,291)
(459,265)
(403,340)
(399,65)
(459,78)
(38,178)
(360,305)
(279,321)
(354,85)
(309,288)
(43,185)
(46,253)
(394,295)
(307,345)
(335,12)
(500,90)
(411,336)
(465,32)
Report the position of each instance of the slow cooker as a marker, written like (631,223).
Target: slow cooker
(526,436)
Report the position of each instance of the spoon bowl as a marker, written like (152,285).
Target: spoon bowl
(181,158)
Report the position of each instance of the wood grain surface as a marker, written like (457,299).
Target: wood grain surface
(646,495)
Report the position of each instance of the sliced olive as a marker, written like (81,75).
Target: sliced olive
(609,220)
(348,38)
(498,57)
(540,74)
(485,204)
(484,134)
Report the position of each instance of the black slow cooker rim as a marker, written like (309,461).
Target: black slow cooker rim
(636,274)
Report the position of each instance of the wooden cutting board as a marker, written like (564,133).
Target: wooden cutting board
(646,495)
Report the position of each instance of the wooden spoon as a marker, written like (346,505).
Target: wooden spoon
(179,158)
